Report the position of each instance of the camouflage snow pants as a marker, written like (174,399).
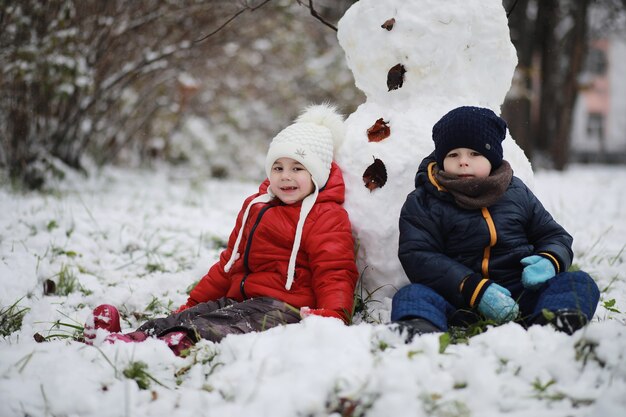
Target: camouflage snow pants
(214,320)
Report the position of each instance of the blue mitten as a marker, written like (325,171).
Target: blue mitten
(537,270)
(497,304)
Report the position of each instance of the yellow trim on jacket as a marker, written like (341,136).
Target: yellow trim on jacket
(554,261)
(431,177)
(493,238)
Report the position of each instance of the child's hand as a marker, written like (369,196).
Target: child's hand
(181,308)
(322,312)
(305,312)
(537,270)
(497,304)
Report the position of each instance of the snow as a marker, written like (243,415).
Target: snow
(140,239)
(133,237)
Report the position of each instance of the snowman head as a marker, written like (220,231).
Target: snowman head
(458,48)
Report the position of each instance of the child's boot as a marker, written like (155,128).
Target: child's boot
(105,317)
(569,321)
(178,341)
(415,327)
(565,320)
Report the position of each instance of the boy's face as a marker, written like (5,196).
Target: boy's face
(466,163)
(290,181)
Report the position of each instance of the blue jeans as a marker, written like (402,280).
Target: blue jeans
(568,290)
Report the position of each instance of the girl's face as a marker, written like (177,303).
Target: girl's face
(466,163)
(290,181)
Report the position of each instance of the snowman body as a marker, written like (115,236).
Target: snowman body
(415,61)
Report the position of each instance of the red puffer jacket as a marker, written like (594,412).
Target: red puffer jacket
(326,272)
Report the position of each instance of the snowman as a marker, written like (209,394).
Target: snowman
(415,61)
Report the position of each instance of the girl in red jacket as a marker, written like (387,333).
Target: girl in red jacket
(291,253)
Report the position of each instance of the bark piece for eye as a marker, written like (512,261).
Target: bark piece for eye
(388,24)
(395,77)
(375,176)
(380,130)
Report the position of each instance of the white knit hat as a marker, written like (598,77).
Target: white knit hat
(310,140)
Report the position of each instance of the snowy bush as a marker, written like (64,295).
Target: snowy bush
(109,80)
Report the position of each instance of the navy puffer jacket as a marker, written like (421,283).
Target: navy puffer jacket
(441,243)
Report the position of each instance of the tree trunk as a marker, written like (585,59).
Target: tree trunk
(550,55)
(561,37)
(516,109)
(576,46)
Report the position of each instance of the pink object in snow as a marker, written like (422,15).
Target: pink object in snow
(131,337)
(105,317)
(177,341)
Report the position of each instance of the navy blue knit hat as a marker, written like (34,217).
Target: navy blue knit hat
(475,128)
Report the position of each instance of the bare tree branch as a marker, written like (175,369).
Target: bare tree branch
(233,17)
(316,15)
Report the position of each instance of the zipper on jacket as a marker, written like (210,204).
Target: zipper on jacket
(246,252)
(241,289)
(492,241)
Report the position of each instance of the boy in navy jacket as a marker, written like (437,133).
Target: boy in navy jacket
(474,239)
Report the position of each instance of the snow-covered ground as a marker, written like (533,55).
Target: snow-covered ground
(140,239)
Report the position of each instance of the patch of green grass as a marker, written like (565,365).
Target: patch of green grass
(135,370)
(611,305)
(362,305)
(586,351)
(63,330)
(57,251)
(546,391)
(341,405)
(382,345)
(204,355)
(155,267)
(412,353)
(436,406)
(158,307)
(461,335)
(138,372)
(542,387)
(11,318)
(548,315)
(67,281)
(444,342)
(543,391)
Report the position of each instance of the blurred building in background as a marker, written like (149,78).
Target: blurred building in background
(599,130)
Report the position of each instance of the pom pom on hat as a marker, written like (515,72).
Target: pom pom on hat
(311,140)
(475,128)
